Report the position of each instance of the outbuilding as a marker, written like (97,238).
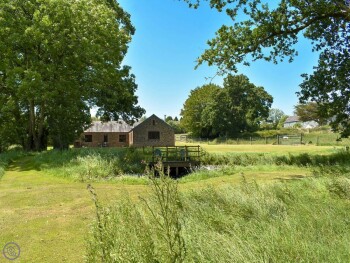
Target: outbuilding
(151,132)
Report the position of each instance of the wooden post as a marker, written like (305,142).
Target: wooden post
(265,140)
(166,159)
(185,153)
(301,138)
(278,139)
(198,153)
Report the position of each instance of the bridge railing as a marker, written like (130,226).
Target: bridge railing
(177,153)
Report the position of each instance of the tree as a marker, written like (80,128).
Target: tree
(310,112)
(238,107)
(193,109)
(275,115)
(271,33)
(168,118)
(58,58)
(281,122)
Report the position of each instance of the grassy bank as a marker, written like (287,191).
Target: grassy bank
(298,221)
(247,209)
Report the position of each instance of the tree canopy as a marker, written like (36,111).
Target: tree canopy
(59,58)
(237,107)
(271,34)
(310,112)
(193,108)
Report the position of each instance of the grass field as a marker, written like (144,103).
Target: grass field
(273,149)
(50,216)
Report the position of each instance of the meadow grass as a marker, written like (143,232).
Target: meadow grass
(299,221)
(228,213)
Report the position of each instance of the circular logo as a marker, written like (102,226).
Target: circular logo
(11,251)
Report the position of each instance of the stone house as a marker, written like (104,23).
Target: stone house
(151,132)
(291,121)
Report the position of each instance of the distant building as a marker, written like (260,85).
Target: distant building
(151,132)
(291,121)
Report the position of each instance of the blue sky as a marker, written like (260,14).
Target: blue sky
(170,36)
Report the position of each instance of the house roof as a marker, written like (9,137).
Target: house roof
(153,116)
(120,126)
(111,126)
(291,119)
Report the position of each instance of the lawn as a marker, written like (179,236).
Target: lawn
(273,149)
(50,216)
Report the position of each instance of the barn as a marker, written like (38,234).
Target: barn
(151,132)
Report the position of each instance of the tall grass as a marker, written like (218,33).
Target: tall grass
(92,164)
(146,232)
(7,157)
(304,159)
(298,221)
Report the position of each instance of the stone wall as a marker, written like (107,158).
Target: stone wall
(140,135)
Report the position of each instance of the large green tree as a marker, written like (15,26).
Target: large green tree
(310,111)
(59,58)
(193,108)
(271,34)
(239,106)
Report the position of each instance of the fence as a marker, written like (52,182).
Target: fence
(287,139)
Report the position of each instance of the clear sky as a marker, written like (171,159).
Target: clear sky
(170,36)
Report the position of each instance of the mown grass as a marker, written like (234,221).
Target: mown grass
(273,149)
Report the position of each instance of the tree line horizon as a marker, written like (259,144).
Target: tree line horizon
(54,68)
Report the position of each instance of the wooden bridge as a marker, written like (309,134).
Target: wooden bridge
(178,159)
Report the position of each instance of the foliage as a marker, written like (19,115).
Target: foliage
(89,165)
(281,122)
(329,84)
(193,108)
(271,34)
(275,115)
(7,157)
(176,125)
(239,106)
(53,68)
(309,112)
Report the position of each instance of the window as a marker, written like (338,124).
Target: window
(153,122)
(153,135)
(122,138)
(105,138)
(88,138)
